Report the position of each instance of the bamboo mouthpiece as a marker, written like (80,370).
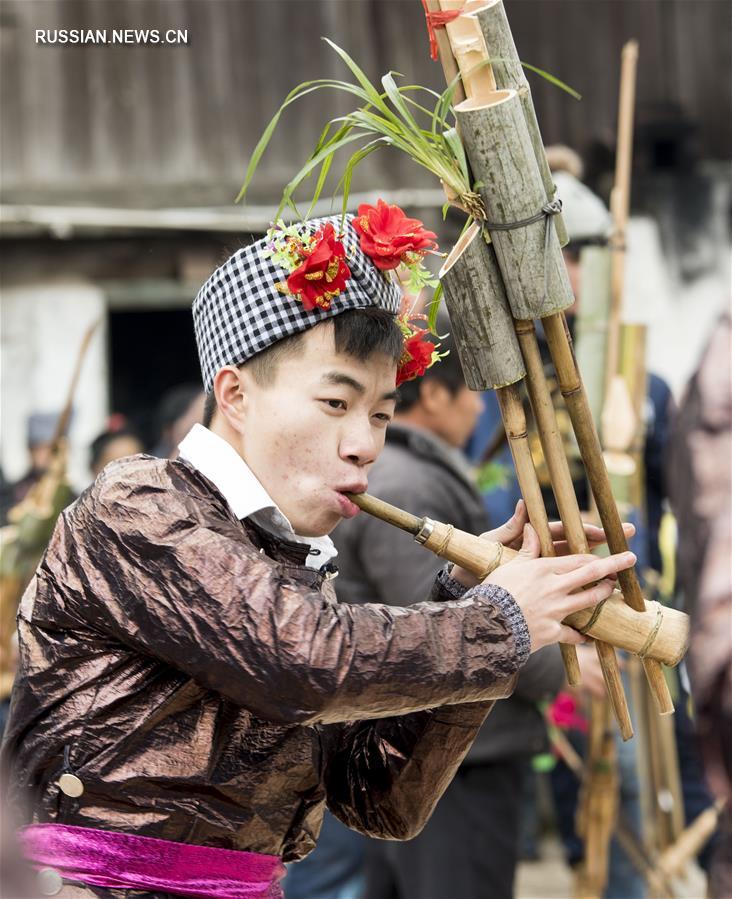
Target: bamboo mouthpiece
(386,512)
(652,633)
(474,553)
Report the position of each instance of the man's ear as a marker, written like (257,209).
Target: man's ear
(432,395)
(231,398)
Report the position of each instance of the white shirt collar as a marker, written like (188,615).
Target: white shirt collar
(223,466)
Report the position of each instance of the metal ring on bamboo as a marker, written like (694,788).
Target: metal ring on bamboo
(425,531)
(648,645)
(593,617)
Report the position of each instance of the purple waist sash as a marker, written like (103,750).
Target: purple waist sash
(125,861)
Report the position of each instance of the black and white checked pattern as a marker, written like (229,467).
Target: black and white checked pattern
(239,311)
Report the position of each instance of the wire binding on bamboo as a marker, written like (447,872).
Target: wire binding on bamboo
(508,74)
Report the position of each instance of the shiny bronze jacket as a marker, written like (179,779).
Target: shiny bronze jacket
(197,679)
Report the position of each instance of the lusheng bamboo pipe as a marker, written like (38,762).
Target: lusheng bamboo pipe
(491,358)
(632,846)
(508,73)
(570,383)
(598,802)
(569,511)
(657,632)
(509,206)
(514,422)
(674,859)
(469,51)
(620,202)
(447,60)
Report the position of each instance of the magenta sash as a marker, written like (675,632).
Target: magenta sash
(126,861)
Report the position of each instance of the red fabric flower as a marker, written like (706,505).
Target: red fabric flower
(416,357)
(323,274)
(564,712)
(387,235)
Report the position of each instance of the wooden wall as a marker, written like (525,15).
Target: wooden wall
(157,126)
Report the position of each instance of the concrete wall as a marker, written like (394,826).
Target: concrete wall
(41,328)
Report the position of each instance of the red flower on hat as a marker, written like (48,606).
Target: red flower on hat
(389,237)
(323,274)
(418,355)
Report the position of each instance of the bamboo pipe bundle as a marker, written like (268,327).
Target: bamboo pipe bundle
(563,489)
(591,324)
(570,382)
(479,315)
(508,74)
(509,400)
(673,861)
(545,272)
(491,359)
(501,156)
(658,633)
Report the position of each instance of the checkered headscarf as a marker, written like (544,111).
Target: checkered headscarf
(239,312)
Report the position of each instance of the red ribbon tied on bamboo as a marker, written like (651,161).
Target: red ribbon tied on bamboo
(438,19)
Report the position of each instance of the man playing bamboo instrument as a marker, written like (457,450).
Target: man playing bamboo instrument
(190,696)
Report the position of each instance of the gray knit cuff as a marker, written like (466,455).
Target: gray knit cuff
(453,587)
(503,600)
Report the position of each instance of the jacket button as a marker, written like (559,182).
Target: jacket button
(71,785)
(49,882)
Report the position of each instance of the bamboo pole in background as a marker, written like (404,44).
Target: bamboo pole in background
(591,324)
(598,805)
(620,201)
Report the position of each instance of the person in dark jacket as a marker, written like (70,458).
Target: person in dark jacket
(469,848)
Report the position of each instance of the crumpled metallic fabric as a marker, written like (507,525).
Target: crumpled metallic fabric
(195,676)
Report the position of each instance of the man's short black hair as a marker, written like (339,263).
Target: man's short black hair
(360,333)
(447,372)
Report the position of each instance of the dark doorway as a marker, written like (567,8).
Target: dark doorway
(150,351)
